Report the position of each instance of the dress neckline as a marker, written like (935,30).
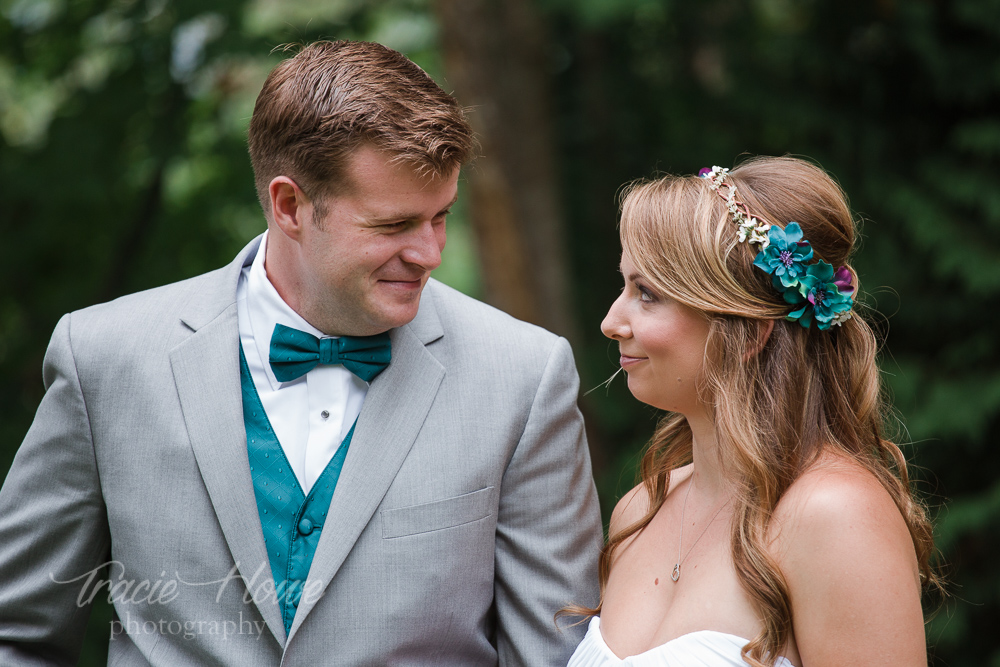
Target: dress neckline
(596,623)
(736,640)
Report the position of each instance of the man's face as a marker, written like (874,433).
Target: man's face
(365,263)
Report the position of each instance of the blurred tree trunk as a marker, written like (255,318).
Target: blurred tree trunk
(495,58)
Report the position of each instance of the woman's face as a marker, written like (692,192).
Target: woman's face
(662,344)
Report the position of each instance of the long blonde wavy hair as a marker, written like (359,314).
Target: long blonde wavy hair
(805,392)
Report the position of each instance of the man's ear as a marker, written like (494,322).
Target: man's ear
(290,208)
(764,329)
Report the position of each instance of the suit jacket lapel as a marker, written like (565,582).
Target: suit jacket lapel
(394,411)
(206,372)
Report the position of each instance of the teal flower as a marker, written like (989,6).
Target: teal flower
(785,256)
(821,294)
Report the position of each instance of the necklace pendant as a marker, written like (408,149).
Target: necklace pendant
(676,574)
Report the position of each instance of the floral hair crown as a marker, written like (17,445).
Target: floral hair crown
(815,291)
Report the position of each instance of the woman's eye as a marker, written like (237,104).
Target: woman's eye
(645,295)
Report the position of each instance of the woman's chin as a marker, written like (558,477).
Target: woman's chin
(641,392)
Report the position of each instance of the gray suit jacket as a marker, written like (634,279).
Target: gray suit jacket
(464,518)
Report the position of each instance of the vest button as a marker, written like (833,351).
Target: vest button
(305,526)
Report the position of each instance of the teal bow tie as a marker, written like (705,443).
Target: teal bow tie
(294,353)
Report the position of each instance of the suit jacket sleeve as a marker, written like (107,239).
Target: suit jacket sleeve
(53,523)
(548,525)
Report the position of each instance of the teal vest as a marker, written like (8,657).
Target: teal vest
(291,521)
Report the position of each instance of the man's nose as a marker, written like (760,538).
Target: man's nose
(425,243)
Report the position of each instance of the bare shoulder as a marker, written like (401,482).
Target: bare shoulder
(632,507)
(850,567)
(837,499)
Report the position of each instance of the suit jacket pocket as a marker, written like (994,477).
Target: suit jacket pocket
(437,515)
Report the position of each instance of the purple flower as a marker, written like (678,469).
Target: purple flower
(842,279)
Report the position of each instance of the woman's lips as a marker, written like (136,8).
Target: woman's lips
(627,361)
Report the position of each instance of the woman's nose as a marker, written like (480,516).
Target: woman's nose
(615,325)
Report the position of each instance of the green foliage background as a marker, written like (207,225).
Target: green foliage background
(123,166)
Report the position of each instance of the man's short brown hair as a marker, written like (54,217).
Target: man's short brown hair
(317,107)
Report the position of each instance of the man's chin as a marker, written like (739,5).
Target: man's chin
(396,315)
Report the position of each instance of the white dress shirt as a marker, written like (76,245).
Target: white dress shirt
(310,415)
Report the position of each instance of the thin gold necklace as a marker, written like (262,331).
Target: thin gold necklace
(676,573)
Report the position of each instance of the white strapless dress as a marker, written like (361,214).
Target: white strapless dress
(705,648)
